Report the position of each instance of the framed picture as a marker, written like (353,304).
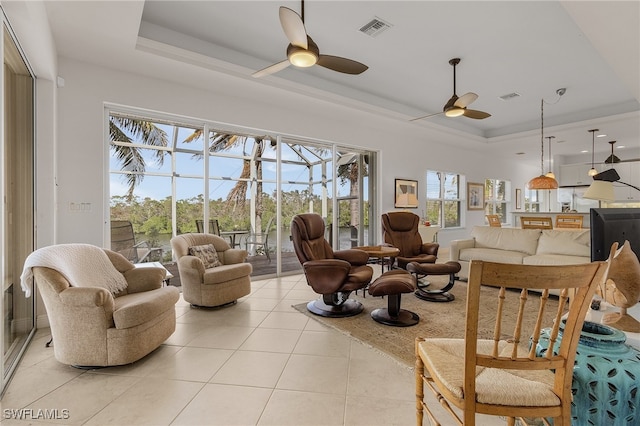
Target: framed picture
(406,193)
(475,196)
(518,198)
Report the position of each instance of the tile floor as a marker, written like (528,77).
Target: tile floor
(259,362)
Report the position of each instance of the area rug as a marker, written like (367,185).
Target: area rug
(436,319)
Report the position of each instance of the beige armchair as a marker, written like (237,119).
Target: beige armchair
(224,279)
(90,326)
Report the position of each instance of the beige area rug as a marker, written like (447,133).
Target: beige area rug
(436,319)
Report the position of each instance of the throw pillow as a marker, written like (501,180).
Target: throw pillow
(207,253)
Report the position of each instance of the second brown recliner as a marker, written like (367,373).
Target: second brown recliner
(400,229)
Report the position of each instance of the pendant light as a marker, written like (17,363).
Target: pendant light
(550,173)
(593,171)
(542,181)
(612,158)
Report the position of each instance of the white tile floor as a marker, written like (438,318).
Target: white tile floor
(259,362)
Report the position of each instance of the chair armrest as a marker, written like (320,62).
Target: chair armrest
(327,275)
(457,245)
(430,248)
(87,296)
(232,256)
(144,279)
(353,256)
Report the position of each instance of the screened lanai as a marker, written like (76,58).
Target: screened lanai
(245,187)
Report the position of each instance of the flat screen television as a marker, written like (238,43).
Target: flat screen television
(611,225)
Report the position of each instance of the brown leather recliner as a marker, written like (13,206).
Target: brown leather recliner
(333,274)
(400,229)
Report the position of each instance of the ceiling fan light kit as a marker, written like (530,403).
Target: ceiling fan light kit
(457,106)
(303,52)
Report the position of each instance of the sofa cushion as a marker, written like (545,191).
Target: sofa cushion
(224,273)
(492,255)
(513,239)
(555,259)
(570,243)
(207,253)
(138,308)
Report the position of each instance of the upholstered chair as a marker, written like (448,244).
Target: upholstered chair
(91,325)
(333,274)
(211,272)
(400,229)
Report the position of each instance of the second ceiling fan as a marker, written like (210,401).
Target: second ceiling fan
(457,106)
(304,52)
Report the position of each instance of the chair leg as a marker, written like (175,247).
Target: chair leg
(419,371)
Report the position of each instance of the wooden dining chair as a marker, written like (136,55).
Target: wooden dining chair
(569,221)
(495,369)
(536,222)
(494,221)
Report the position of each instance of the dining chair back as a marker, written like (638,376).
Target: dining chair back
(495,369)
(569,221)
(494,220)
(536,222)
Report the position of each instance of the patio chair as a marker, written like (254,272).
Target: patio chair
(214,227)
(260,239)
(123,241)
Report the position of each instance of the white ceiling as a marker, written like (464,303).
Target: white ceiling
(591,48)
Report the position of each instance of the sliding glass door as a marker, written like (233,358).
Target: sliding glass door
(17,191)
(247,188)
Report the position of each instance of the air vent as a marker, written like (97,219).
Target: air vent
(374,27)
(510,96)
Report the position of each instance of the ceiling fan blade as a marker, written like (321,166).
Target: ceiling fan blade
(271,69)
(466,100)
(478,115)
(293,27)
(426,116)
(344,65)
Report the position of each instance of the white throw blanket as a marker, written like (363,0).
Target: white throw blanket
(83,265)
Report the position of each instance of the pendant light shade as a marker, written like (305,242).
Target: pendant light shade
(612,158)
(593,171)
(542,181)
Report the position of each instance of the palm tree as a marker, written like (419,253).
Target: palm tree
(120,127)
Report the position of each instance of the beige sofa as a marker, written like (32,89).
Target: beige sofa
(209,285)
(522,246)
(91,327)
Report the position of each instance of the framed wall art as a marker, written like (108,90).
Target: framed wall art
(475,196)
(406,193)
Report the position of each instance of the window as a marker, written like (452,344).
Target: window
(497,198)
(532,200)
(444,201)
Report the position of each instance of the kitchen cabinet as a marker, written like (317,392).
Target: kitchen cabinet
(575,175)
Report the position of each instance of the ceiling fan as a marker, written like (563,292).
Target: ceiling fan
(303,52)
(457,106)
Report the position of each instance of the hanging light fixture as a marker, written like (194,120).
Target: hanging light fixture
(550,173)
(612,158)
(542,181)
(593,171)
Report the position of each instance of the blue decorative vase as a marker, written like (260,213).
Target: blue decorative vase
(606,376)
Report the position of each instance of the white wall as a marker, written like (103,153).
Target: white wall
(407,151)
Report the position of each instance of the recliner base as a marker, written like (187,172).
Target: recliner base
(347,308)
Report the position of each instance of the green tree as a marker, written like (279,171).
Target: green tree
(122,129)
